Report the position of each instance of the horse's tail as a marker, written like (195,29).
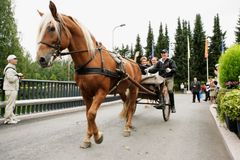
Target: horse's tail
(124,112)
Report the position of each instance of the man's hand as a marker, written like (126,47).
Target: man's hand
(168,70)
(146,70)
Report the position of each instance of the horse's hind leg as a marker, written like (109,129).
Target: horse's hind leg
(131,102)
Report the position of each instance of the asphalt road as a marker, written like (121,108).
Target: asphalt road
(190,134)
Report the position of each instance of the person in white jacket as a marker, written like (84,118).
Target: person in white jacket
(11,86)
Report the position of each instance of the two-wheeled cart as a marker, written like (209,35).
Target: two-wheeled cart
(153,91)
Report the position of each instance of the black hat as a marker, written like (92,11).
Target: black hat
(164,51)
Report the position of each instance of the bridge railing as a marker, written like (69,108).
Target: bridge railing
(45,95)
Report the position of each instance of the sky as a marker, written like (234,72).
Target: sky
(102,16)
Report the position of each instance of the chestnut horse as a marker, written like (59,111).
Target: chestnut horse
(95,69)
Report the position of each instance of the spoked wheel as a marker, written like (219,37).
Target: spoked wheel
(166,108)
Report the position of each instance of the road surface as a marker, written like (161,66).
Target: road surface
(190,134)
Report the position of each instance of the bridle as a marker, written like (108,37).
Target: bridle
(57,47)
(58,52)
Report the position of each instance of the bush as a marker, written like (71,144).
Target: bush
(229,68)
(220,95)
(230,104)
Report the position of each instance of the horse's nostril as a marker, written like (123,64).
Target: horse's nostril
(42,60)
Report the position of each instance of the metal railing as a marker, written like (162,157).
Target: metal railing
(45,95)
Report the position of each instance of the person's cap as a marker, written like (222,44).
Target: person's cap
(164,51)
(216,65)
(10,57)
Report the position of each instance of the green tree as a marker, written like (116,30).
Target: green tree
(160,42)
(237,32)
(150,41)
(9,41)
(216,46)
(124,51)
(180,57)
(138,48)
(197,60)
(166,39)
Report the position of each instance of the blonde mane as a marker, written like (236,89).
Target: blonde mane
(48,18)
(87,36)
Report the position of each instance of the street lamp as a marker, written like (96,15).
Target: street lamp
(121,25)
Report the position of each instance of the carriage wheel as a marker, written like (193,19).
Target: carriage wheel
(166,108)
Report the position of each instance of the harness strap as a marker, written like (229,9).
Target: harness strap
(102,71)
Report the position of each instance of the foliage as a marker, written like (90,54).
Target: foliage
(9,40)
(162,41)
(9,44)
(220,95)
(166,39)
(138,48)
(229,68)
(232,84)
(124,51)
(217,46)
(237,32)
(230,104)
(180,56)
(150,41)
(197,60)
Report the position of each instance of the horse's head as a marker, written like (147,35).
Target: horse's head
(52,38)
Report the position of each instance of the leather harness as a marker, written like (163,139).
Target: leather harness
(82,69)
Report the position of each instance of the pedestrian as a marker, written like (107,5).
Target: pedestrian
(166,68)
(207,92)
(182,87)
(195,88)
(202,90)
(212,90)
(11,86)
(144,65)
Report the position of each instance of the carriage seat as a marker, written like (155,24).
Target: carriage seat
(152,79)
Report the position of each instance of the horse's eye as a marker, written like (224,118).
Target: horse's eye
(51,29)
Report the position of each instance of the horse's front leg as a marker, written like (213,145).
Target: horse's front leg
(86,141)
(92,112)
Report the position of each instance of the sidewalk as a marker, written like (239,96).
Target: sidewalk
(231,140)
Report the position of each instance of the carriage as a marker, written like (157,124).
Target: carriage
(155,95)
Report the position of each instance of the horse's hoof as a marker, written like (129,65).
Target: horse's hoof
(126,133)
(85,145)
(100,139)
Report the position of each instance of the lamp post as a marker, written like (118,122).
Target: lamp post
(188,58)
(121,25)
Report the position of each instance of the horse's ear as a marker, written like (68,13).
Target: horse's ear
(53,10)
(40,13)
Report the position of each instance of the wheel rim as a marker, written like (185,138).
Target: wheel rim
(166,108)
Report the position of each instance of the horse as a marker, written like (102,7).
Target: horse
(96,72)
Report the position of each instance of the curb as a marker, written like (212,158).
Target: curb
(57,112)
(231,141)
